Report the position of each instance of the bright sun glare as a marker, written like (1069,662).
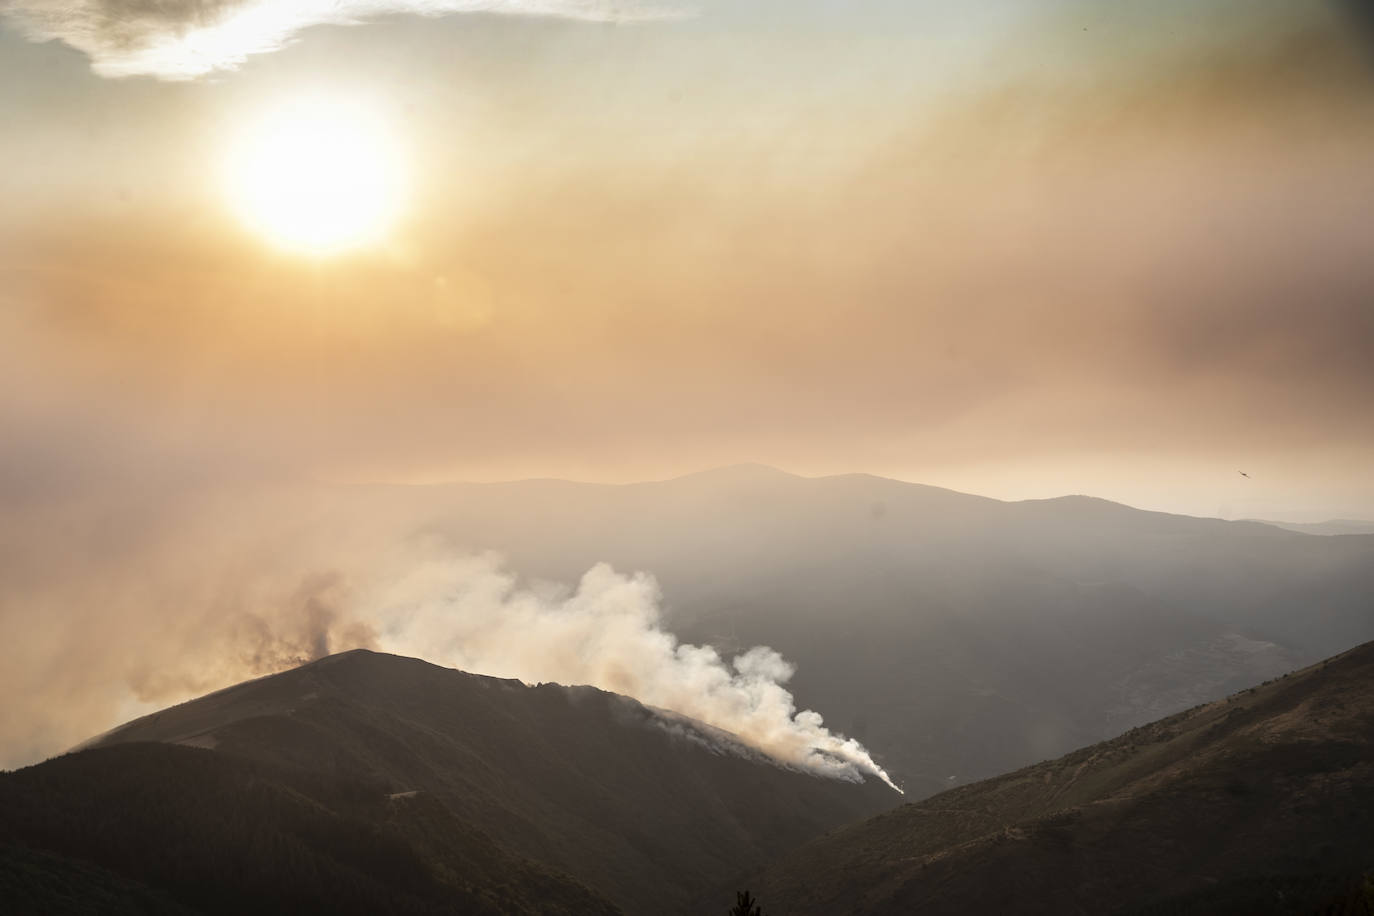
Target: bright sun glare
(314,176)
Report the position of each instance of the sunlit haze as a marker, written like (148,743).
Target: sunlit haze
(1015,249)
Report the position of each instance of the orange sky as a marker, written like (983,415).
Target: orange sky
(1017,250)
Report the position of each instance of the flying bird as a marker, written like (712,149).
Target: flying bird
(1243,474)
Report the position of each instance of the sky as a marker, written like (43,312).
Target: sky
(1015,248)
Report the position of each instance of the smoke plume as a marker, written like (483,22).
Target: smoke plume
(469,613)
(174,592)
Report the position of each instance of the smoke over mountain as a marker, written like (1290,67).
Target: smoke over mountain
(224,589)
(470,613)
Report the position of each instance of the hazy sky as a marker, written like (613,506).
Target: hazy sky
(1018,248)
(1011,247)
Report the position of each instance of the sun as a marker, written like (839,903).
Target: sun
(316,176)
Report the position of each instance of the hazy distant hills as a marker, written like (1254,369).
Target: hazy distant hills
(1260,803)
(1333,526)
(394,779)
(958,636)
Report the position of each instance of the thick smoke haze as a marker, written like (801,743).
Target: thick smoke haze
(1017,249)
(1116,252)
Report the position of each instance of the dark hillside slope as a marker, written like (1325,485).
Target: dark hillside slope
(35,881)
(150,828)
(1261,803)
(644,807)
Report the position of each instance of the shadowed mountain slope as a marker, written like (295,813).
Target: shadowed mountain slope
(1260,803)
(644,807)
(154,829)
(957,636)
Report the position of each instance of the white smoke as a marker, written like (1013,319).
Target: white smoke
(183,39)
(470,613)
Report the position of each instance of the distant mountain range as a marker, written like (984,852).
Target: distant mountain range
(371,783)
(956,636)
(1330,527)
(1259,803)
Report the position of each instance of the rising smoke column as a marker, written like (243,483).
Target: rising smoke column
(470,613)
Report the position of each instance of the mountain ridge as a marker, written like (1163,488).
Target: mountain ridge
(643,808)
(755,472)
